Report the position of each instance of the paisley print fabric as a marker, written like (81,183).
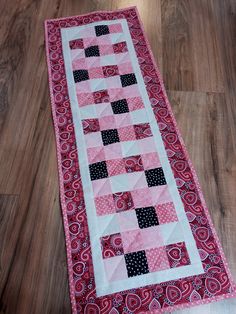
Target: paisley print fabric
(118,148)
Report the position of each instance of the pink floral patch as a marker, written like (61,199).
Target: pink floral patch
(123,201)
(101,96)
(157,259)
(177,254)
(90,125)
(142,130)
(115,167)
(112,245)
(77,43)
(166,213)
(133,163)
(120,47)
(110,70)
(105,205)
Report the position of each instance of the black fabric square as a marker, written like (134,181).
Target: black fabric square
(128,79)
(120,106)
(80,75)
(155,177)
(136,263)
(98,170)
(92,51)
(110,136)
(101,30)
(146,217)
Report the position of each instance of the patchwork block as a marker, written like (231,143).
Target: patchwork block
(150,161)
(85,99)
(90,125)
(127,133)
(115,28)
(147,217)
(107,122)
(116,94)
(95,154)
(101,96)
(125,68)
(120,47)
(113,151)
(95,72)
(112,245)
(101,30)
(157,259)
(92,51)
(127,220)
(155,177)
(110,70)
(128,79)
(136,263)
(135,103)
(76,44)
(115,167)
(110,136)
(122,120)
(142,197)
(105,205)
(101,187)
(80,75)
(119,106)
(115,268)
(142,130)
(132,241)
(133,163)
(123,201)
(98,170)
(93,139)
(166,213)
(177,254)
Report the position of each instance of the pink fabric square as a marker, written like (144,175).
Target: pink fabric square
(85,99)
(79,64)
(83,87)
(115,268)
(135,103)
(150,161)
(104,109)
(87,32)
(115,167)
(126,133)
(151,237)
(122,57)
(104,39)
(93,139)
(113,82)
(166,213)
(101,96)
(93,62)
(122,120)
(125,68)
(105,205)
(127,220)
(107,122)
(131,91)
(116,94)
(90,41)
(106,50)
(120,47)
(142,197)
(177,254)
(132,241)
(115,28)
(160,194)
(95,72)
(113,151)
(147,145)
(101,187)
(77,54)
(95,154)
(157,259)
(137,180)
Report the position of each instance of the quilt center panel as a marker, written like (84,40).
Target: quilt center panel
(138,228)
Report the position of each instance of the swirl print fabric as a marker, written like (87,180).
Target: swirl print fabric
(139,237)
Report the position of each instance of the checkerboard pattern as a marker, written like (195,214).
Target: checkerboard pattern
(126,174)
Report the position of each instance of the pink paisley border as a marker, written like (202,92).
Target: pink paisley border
(62,191)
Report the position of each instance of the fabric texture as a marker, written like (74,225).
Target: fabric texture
(139,237)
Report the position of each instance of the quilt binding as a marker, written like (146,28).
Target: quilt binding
(196,181)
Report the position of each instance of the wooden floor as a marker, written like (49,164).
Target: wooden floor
(195,45)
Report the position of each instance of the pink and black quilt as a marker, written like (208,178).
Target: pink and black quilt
(139,237)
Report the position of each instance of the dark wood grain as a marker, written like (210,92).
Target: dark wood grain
(194,44)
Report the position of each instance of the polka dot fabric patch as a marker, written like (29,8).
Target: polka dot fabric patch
(136,225)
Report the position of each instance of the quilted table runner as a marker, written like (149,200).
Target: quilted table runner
(138,234)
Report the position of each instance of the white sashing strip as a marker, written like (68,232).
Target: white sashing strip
(96,225)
